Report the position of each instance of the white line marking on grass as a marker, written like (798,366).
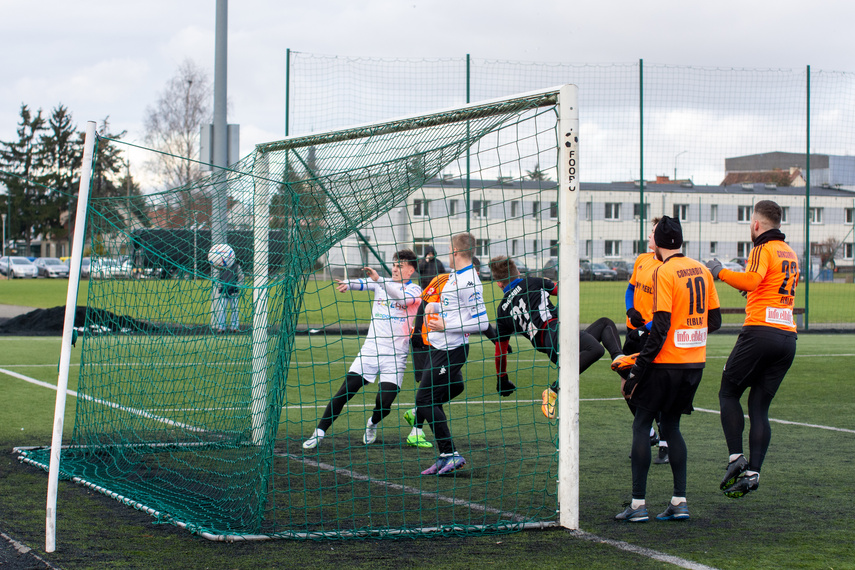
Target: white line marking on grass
(141,413)
(406,488)
(788,422)
(648,552)
(23,549)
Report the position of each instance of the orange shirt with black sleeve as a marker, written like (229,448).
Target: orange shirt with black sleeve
(770,277)
(684,288)
(432,294)
(642,282)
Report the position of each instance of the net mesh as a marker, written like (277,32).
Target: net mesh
(206,429)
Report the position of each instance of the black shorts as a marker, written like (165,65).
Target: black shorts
(761,358)
(668,390)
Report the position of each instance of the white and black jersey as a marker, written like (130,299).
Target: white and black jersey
(525,308)
(392,314)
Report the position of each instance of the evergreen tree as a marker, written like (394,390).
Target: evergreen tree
(21,164)
(63,153)
(106,182)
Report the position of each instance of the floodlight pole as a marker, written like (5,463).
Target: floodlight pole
(67,331)
(568,308)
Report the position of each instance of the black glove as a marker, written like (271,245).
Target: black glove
(504,386)
(628,386)
(635,318)
(715,267)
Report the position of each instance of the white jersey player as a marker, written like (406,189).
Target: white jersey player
(384,352)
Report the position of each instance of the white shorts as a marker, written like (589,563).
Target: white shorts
(390,368)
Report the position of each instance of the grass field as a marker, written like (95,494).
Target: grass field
(830,303)
(799,518)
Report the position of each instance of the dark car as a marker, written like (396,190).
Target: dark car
(622,268)
(550,269)
(600,272)
(740,260)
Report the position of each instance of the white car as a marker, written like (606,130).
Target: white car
(51,267)
(18,267)
(105,268)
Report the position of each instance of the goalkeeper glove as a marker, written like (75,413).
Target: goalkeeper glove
(715,267)
(635,318)
(504,386)
(628,386)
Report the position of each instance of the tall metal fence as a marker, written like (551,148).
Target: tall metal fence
(702,144)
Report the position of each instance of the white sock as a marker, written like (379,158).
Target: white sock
(752,473)
(663,444)
(734,457)
(677,500)
(637,503)
(652,432)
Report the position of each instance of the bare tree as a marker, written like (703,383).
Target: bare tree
(172,125)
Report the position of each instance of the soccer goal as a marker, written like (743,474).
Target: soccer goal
(199,417)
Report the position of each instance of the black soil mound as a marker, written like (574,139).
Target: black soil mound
(49,322)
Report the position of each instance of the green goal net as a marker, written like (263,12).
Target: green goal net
(201,378)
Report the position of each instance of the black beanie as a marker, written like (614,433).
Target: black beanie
(668,233)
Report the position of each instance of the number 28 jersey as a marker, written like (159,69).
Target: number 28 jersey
(684,288)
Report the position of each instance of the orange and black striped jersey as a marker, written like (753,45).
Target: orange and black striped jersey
(684,288)
(432,294)
(642,281)
(770,277)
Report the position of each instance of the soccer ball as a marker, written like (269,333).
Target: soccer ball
(221,255)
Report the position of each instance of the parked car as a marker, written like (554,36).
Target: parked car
(601,272)
(105,268)
(18,267)
(550,269)
(622,268)
(3,265)
(740,260)
(85,267)
(51,267)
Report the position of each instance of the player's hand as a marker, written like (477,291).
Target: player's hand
(504,386)
(628,386)
(715,267)
(341,287)
(370,272)
(635,318)
(436,324)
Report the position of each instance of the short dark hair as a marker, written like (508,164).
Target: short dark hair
(769,211)
(503,268)
(656,220)
(408,256)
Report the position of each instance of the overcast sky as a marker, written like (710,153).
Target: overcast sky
(112,58)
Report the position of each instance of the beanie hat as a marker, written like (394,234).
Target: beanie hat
(668,233)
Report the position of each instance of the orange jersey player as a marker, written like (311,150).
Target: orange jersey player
(765,348)
(669,368)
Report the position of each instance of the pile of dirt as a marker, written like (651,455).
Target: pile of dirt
(49,322)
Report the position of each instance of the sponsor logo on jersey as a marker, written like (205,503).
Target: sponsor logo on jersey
(779,316)
(690,338)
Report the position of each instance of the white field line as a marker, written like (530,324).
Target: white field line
(150,415)
(141,413)
(310,364)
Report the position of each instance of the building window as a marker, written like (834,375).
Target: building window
(482,248)
(713,248)
(816,215)
(850,214)
(588,248)
(714,212)
(847,250)
(421,208)
(515,208)
(535,209)
(743,248)
(514,247)
(534,246)
(612,211)
(553,210)
(639,212)
(785,214)
(479,208)
(743,214)
(612,248)
(553,248)
(639,246)
(589,210)
(452,207)
(816,249)
(420,244)
(681,212)
(685,249)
